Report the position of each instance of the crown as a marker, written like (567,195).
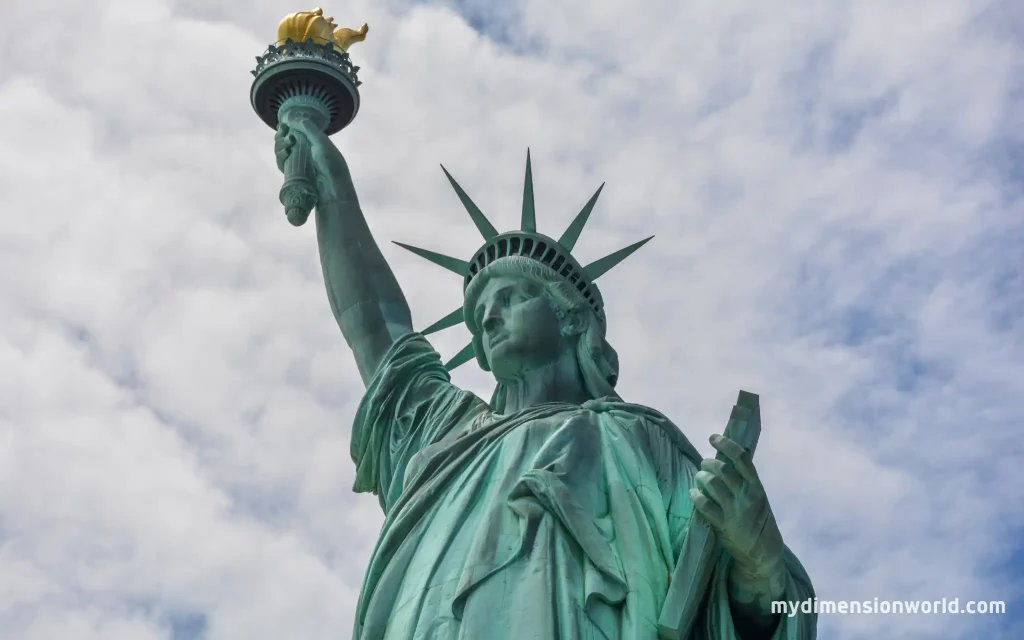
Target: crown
(528,243)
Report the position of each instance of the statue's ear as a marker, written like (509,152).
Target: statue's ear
(573,323)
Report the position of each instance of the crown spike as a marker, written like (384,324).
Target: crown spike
(529,219)
(460,358)
(598,268)
(572,234)
(460,267)
(450,320)
(487,230)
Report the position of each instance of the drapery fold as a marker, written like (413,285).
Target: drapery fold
(558,521)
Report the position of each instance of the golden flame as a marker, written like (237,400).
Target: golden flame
(313,25)
(344,38)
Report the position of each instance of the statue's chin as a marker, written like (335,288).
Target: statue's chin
(503,367)
(502,372)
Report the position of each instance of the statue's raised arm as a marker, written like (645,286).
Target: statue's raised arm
(364,295)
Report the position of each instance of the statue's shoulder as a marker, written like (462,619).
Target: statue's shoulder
(655,422)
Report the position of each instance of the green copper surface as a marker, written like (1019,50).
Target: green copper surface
(528,222)
(555,510)
(526,242)
(572,232)
(487,230)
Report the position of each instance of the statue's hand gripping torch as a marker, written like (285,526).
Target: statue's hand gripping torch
(306,73)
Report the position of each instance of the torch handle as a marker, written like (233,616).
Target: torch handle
(298,193)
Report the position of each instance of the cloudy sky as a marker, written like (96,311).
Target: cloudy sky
(836,192)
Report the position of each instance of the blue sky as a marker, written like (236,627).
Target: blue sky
(836,194)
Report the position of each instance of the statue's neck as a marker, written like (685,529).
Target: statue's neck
(558,381)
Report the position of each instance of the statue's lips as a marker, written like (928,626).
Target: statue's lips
(494,341)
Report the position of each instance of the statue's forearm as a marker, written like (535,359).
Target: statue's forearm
(751,597)
(363,292)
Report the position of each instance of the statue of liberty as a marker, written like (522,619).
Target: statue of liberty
(557,509)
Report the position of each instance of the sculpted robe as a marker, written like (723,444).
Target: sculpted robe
(559,521)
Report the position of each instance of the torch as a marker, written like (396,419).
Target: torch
(306,73)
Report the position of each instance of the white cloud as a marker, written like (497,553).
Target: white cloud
(837,229)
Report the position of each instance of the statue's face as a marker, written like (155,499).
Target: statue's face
(520,329)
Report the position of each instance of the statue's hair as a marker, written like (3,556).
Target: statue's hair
(598,361)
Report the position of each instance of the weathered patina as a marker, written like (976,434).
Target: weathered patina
(556,509)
